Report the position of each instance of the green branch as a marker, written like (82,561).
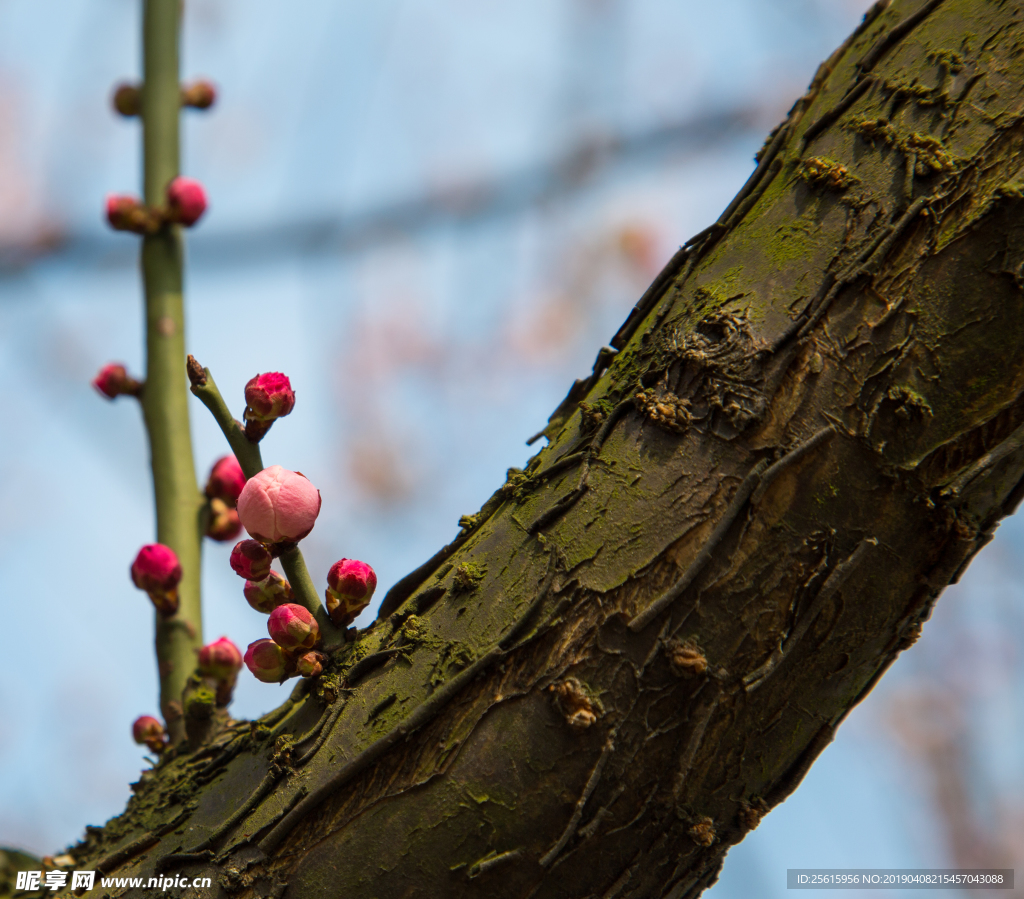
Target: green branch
(205,388)
(165,400)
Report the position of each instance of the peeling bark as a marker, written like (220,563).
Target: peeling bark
(813,420)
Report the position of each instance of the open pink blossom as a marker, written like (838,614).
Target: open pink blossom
(220,660)
(186,200)
(266,595)
(226,480)
(251,559)
(277,505)
(292,627)
(350,586)
(268,396)
(267,661)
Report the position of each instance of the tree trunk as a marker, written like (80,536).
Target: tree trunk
(642,642)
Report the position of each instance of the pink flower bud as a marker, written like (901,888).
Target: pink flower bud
(127,213)
(156,567)
(267,661)
(226,480)
(112,381)
(292,627)
(310,664)
(350,586)
(268,396)
(251,560)
(277,505)
(266,595)
(220,660)
(157,571)
(127,100)
(186,200)
(148,731)
(199,95)
(224,523)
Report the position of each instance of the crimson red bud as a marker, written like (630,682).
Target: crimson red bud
(268,396)
(156,570)
(148,731)
(112,381)
(292,627)
(251,560)
(266,595)
(350,586)
(186,200)
(220,660)
(226,480)
(224,522)
(267,661)
(310,664)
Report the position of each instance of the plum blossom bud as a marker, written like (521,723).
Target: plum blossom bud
(186,200)
(350,586)
(266,595)
(224,524)
(226,480)
(292,627)
(128,213)
(251,560)
(156,570)
(267,661)
(268,397)
(310,664)
(127,100)
(277,505)
(220,660)
(199,95)
(148,731)
(112,381)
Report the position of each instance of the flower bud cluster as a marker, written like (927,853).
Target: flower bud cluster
(291,649)
(278,508)
(186,202)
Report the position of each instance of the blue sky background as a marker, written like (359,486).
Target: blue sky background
(430,215)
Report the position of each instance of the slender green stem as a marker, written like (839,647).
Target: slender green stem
(165,400)
(249,457)
(305,593)
(205,388)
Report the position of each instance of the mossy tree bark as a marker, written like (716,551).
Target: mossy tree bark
(813,421)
